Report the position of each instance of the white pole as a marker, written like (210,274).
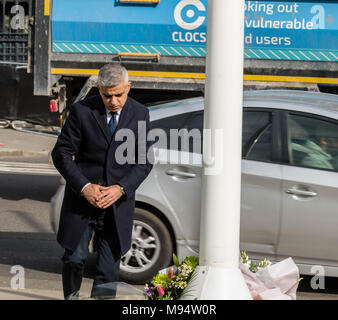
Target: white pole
(218,276)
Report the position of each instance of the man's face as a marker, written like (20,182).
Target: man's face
(114,98)
(330,145)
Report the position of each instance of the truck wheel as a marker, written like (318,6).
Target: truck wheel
(151,249)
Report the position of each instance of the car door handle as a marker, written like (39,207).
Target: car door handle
(181,173)
(299,192)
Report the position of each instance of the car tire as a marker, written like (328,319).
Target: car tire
(151,249)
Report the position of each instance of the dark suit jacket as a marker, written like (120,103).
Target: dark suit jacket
(86,136)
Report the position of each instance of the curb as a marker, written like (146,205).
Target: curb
(29,294)
(7,152)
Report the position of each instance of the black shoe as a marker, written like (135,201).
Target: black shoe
(105,291)
(73,296)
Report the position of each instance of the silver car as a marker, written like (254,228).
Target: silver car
(289,201)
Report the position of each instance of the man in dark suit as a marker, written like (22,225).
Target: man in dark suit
(100,189)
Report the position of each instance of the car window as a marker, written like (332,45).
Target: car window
(194,125)
(169,125)
(173,122)
(254,124)
(312,142)
(257,135)
(261,149)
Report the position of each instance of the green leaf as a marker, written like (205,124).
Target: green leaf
(175,259)
(253,267)
(244,257)
(192,261)
(161,279)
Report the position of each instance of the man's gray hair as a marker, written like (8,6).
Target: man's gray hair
(111,75)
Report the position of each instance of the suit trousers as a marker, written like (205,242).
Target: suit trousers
(107,262)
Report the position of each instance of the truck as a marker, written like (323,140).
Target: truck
(55,48)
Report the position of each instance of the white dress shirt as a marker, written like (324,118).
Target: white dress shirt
(109,115)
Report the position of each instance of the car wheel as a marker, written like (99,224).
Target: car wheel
(151,249)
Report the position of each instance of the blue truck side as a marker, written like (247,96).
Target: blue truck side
(163,43)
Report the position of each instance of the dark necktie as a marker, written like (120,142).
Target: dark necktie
(112,122)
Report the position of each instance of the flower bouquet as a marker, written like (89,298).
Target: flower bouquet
(270,282)
(170,283)
(264,280)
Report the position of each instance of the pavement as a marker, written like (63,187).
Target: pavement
(54,293)
(32,149)
(14,143)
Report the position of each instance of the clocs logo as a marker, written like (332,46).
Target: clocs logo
(187,14)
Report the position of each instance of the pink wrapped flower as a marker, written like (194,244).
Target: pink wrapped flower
(160,290)
(275,282)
